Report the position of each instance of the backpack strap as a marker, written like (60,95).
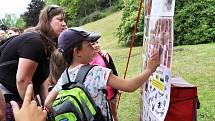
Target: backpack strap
(65,77)
(80,77)
(82,73)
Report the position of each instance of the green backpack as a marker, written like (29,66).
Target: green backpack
(74,103)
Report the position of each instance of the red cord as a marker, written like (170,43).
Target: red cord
(131,45)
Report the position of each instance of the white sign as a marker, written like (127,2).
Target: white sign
(159,7)
(157,95)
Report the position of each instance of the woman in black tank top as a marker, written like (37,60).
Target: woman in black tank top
(32,51)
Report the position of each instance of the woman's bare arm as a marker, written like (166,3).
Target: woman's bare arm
(25,72)
(44,91)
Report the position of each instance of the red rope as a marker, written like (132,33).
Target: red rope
(131,45)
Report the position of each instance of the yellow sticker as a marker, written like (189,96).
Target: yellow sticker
(158,84)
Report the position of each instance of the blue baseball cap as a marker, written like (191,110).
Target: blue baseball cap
(72,36)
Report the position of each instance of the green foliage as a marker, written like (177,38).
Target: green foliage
(76,9)
(92,17)
(97,15)
(125,29)
(83,11)
(50,2)
(31,17)
(194,22)
(20,23)
(10,20)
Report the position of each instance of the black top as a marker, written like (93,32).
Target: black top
(110,65)
(28,46)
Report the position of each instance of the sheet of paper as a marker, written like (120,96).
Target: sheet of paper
(159,7)
(157,95)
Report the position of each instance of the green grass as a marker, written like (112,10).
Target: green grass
(194,63)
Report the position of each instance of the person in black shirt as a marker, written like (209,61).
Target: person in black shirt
(32,51)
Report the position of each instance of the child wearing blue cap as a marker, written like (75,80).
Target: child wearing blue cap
(75,45)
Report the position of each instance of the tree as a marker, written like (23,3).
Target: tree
(3,27)
(10,20)
(31,17)
(20,23)
(194,22)
(79,9)
(125,29)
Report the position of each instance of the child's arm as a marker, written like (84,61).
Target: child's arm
(50,99)
(134,83)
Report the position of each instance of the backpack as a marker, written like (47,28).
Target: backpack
(74,102)
(3,44)
(109,64)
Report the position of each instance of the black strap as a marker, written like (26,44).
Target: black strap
(109,63)
(67,75)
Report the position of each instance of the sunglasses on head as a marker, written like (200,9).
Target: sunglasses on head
(51,7)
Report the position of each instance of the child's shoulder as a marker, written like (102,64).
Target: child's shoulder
(99,71)
(98,68)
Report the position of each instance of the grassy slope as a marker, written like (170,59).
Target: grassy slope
(196,64)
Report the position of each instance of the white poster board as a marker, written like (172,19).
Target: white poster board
(159,8)
(156,95)
(158,33)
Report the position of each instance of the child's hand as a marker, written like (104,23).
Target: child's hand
(153,61)
(29,111)
(48,108)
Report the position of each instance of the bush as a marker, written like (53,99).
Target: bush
(194,22)
(97,15)
(90,18)
(83,11)
(125,29)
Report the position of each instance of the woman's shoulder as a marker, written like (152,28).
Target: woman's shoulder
(30,35)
